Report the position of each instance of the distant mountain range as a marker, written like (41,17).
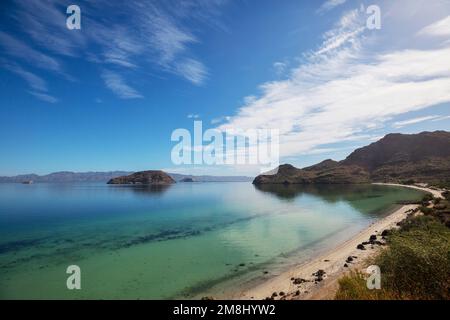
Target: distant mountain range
(404,158)
(67,176)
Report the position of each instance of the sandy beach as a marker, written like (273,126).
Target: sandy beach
(299,282)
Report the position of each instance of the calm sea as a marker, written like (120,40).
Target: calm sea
(172,242)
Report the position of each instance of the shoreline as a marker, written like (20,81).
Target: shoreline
(435,192)
(300,283)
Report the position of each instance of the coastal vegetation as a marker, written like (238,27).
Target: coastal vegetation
(415,265)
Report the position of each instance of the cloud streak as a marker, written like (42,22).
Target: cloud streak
(37,84)
(44,96)
(400,124)
(440,28)
(19,50)
(345,93)
(160,38)
(330,5)
(117,85)
(139,37)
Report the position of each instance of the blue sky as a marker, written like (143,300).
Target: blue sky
(108,96)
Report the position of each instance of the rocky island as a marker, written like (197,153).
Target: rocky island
(150,177)
(397,158)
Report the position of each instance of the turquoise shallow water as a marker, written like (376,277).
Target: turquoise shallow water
(175,242)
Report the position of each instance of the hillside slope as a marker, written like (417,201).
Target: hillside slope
(423,157)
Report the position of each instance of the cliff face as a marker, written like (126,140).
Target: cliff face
(423,157)
(398,148)
(151,177)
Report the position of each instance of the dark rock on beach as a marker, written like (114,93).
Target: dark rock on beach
(298,280)
(319,275)
(207,298)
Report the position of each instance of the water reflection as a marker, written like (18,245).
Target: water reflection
(144,190)
(328,192)
(359,196)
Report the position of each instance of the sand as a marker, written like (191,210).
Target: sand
(331,262)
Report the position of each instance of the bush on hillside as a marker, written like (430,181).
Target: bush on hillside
(416,264)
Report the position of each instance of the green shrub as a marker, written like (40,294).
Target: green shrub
(425,210)
(416,265)
(353,287)
(446,195)
(443,185)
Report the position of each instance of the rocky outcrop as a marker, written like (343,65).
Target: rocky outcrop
(151,177)
(400,158)
(338,174)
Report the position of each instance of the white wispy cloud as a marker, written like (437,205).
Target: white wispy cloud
(441,118)
(345,93)
(400,124)
(346,32)
(44,96)
(220,119)
(280,67)
(158,36)
(192,70)
(439,28)
(47,30)
(193,116)
(34,81)
(19,50)
(118,86)
(135,35)
(37,84)
(330,4)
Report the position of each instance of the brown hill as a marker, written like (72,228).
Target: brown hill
(151,177)
(423,157)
